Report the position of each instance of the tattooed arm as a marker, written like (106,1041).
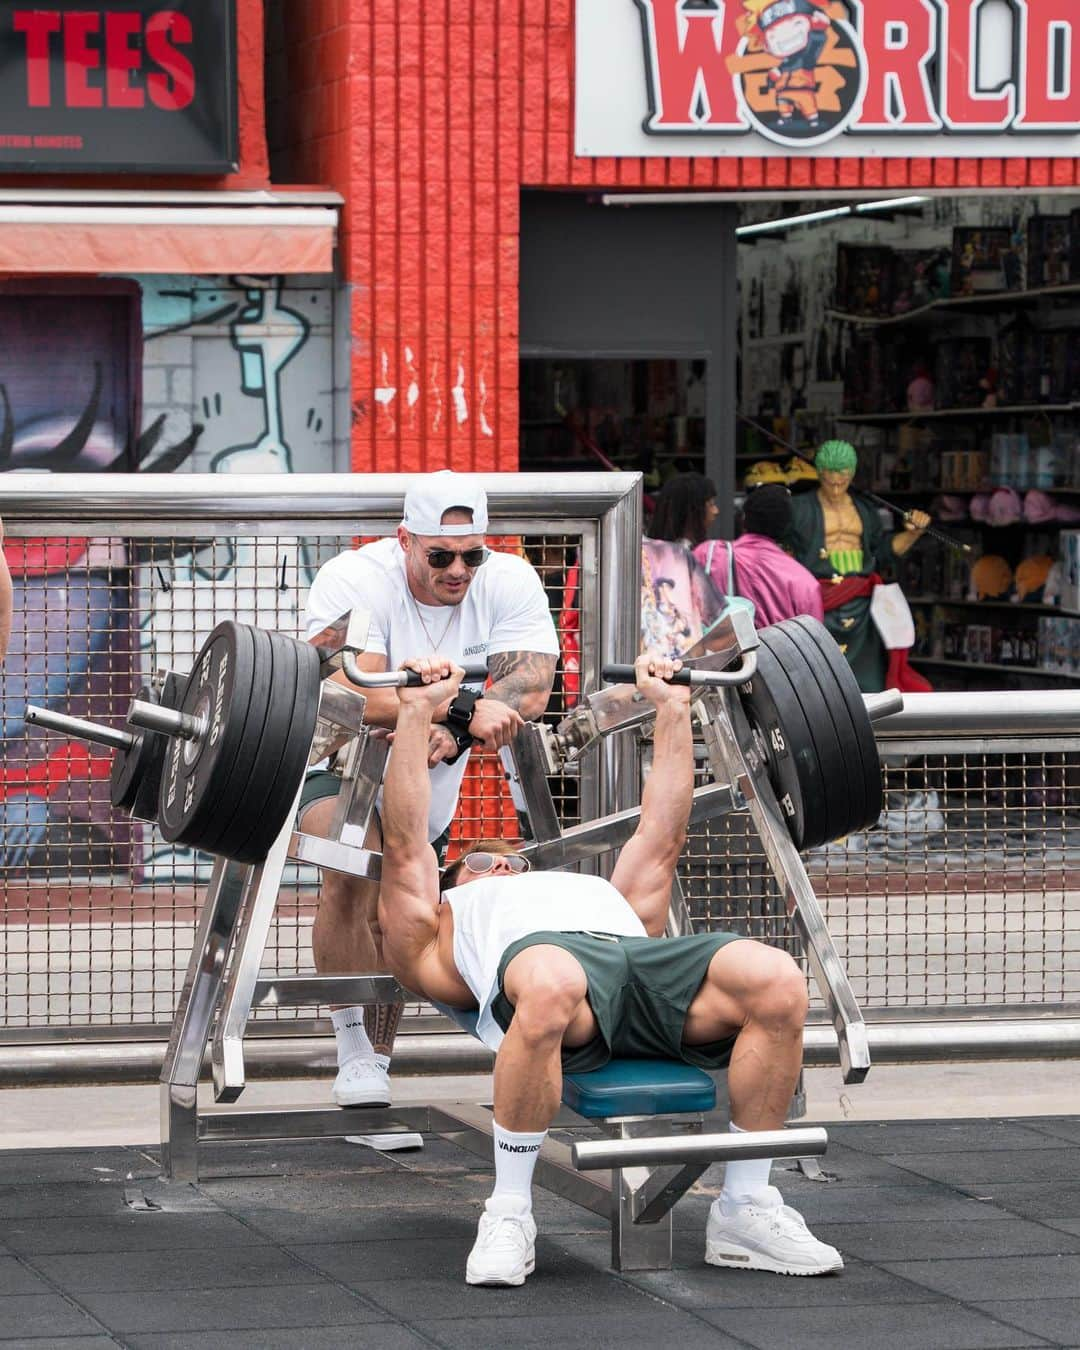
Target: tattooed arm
(520,689)
(522,680)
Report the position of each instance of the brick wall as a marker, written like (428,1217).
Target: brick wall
(431,117)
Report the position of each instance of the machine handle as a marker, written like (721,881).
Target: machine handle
(395,679)
(710,678)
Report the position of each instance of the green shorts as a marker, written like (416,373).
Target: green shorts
(322,783)
(640,990)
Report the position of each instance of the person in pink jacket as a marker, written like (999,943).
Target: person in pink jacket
(761,571)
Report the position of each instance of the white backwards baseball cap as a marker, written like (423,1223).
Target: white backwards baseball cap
(428,500)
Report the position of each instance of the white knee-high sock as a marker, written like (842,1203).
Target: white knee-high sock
(352,1040)
(744,1176)
(515,1162)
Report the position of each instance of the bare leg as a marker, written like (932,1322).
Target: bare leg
(345,939)
(758,993)
(547,987)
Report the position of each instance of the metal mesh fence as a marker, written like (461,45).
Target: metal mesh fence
(965,895)
(97,912)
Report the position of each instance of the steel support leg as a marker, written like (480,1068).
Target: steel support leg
(636,1246)
(734,758)
(252,932)
(194,1018)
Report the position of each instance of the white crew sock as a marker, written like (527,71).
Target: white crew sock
(515,1161)
(352,1039)
(744,1176)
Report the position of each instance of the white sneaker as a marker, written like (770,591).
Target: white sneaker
(762,1233)
(505,1247)
(361,1082)
(390,1142)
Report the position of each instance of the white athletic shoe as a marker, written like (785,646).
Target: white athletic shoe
(762,1233)
(505,1247)
(390,1142)
(361,1082)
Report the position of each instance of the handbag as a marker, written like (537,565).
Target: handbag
(733,602)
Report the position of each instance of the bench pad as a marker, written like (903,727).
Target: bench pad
(626,1087)
(639,1087)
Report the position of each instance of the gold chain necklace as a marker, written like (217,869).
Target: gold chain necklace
(427,631)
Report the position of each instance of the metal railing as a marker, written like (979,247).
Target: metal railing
(97,912)
(964,902)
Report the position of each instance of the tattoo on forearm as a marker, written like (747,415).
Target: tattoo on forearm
(515,675)
(381,1024)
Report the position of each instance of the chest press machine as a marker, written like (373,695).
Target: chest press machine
(217,761)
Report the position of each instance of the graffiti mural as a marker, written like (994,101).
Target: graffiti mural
(232,377)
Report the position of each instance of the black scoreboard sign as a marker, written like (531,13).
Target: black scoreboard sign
(118,85)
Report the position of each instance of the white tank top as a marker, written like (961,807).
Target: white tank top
(492,913)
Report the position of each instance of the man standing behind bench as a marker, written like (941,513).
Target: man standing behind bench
(568,971)
(435,588)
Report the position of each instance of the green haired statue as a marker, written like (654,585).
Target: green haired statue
(837,457)
(840,537)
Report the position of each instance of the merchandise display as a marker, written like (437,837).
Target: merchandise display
(950,357)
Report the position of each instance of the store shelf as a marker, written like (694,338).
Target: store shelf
(971,492)
(991,604)
(1036,671)
(1013,410)
(778,340)
(958,305)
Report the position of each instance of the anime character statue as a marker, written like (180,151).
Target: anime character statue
(840,538)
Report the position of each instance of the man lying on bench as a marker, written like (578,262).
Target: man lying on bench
(568,971)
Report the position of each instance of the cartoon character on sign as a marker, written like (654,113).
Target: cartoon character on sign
(799,69)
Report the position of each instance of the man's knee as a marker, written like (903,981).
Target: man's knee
(778,995)
(765,984)
(547,998)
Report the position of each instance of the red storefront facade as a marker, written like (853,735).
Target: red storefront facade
(432,120)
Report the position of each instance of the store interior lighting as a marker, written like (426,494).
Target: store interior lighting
(832,213)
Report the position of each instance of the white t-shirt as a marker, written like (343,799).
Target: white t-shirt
(493,912)
(504,610)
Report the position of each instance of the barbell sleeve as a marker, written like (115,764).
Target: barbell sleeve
(696,678)
(152,717)
(885,704)
(81,730)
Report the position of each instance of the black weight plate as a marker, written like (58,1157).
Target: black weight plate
(131,767)
(849,815)
(217,692)
(301,728)
(145,805)
(848,688)
(251,805)
(787,746)
(239,785)
(837,753)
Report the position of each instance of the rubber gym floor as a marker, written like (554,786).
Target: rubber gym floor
(957,1235)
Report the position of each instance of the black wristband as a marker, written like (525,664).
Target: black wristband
(460,712)
(464,742)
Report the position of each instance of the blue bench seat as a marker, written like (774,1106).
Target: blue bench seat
(625,1087)
(639,1087)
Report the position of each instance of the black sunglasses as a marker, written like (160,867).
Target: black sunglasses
(443,557)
